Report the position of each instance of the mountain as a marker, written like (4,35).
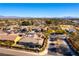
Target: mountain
(64,17)
(9,16)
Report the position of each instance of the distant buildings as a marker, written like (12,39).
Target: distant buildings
(66,27)
(69,28)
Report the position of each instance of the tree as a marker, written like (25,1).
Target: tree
(48,22)
(25,23)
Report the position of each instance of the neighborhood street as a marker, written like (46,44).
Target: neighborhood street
(12,52)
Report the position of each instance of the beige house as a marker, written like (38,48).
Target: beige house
(33,38)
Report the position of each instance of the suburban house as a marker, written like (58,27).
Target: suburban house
(9,39)
(2,25)
(31,39)
(57,35)
(66,27)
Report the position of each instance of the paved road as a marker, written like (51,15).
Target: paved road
(1,54)
(12,52)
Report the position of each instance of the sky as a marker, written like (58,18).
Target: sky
(39,9)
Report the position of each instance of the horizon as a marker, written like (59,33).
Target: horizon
(40,10)
(2,16)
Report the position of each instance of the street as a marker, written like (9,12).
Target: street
(12,52)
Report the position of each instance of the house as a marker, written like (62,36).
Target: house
(9,39)
(66,27)
(72,30)
(2,25)
(57,35)
(28,28)
(31,39)
(13,27)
